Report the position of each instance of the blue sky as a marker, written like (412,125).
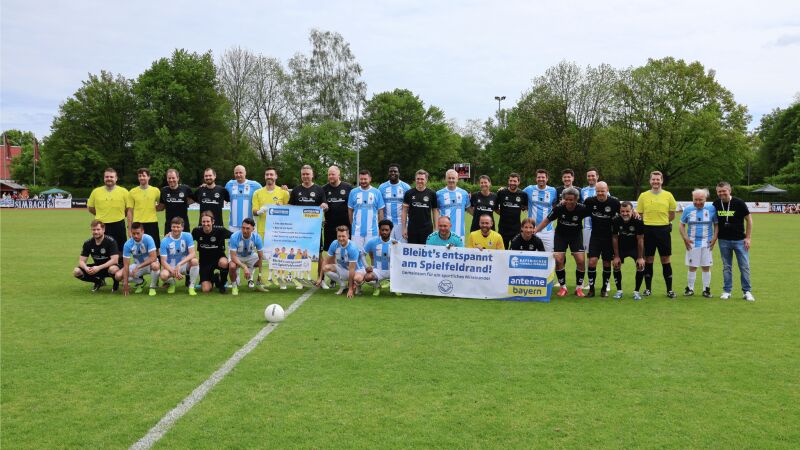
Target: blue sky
(455,55)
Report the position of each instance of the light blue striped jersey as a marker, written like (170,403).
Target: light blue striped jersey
(176,249)
(380,252)
(138,250)
(699,223)
(454,204)
(365,205)
(540,203)
(393,199)
(241,196)
(345,255)
(245,247)
(586,192)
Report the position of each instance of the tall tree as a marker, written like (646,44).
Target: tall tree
(237,73)
(92,130)
(779,134)
(181,119)
(336,76)
(320,146)
(271,125)
(398,128)
(675,117)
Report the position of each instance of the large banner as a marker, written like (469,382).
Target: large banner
(291,240)
(472,273)
(35,203)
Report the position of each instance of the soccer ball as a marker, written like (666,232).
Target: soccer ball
(274,313)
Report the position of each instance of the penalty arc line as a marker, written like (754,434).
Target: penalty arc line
(165,424)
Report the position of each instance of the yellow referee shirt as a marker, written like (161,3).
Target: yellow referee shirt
(494,241)
(110,206)
(263,197)
(143,202)
(656,207)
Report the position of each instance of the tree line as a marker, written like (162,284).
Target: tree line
(190,112)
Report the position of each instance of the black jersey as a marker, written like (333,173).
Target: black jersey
(176,202)
(313,195)
(627,232)
(420,204)
(337,204)
(560,190)
(602,213)
(519,243)
(510,206)
(212,199)
(211,246)
(569,222)
(730,218)
(100,253)
(482,204)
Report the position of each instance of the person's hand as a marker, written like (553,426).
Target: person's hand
(688,244)
(126,290)
(246,273)
(318,283)
(176,273)
(324,206)
(747,244)
(91,270)
(640,264)
(616,262)
(350,293)
(405,235)
(711,244)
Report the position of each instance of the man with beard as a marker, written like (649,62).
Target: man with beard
(393,192)
(175,199)
(211,251)
(105,257)
(211,196)
(511,202)
(419,205)
(365,206)
(541,199)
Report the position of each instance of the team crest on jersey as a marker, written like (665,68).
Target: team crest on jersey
(608,209)
(213,239)
(631,228)
(180,195)
(341,192)
(574,217)
(519,199)
(216,195)
(313,194)
(491,202)
(102,250)
(424,199)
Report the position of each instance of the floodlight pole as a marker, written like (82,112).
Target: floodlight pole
(499,100)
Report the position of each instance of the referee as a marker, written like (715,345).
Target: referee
(657,208)
(109,204)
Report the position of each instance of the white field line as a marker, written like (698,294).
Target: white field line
(197,395)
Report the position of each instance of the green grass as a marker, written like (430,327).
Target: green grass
(98,370)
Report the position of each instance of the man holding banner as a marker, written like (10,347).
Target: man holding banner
(485,237)
(268,195)
(444,237)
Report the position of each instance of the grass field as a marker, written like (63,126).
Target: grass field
(99,370)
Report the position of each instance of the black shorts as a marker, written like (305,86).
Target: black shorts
(627,253)
(102,274)
(118,231)
(151,229)
(601,246)
(419,235)
(207,270)
(573,242)
(657,238)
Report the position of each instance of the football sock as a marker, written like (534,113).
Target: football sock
(592,276)
(666,269)
(223,276)
(606,277)
(639,279)
(334,277)
(648,275)
(706,279)
(153,280)
(194,274)
(618,279)
(562,277)
(579,277)
(690,277)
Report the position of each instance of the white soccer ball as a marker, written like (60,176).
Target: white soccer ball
(274,313)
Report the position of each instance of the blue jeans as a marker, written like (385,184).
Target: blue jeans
(726,250)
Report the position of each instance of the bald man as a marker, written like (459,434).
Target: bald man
(336,192)
(453,203)
(241,191)
(603,208)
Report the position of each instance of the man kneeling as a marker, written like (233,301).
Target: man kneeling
(379,250)
(142,249)
(105,257)
(178,257)
(344,263)
(247,251)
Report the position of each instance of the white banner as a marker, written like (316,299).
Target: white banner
(472,273)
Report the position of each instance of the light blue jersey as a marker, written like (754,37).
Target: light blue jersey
(435,239)
(454,204)
(393,199)
(241,196)
(380,252)
(365,205)
(346,255)
(176,249)
(699,223)
(138,251)
(586,192)
(246,247)
(540,203)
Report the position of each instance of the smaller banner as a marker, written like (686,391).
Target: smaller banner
(463,170)
(34,204)
(79,202)
(472,273)
(785,208)
(291,240)
(62,203)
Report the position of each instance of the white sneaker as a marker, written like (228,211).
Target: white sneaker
(341,290)
(749,297)
(725,295)
(324,285)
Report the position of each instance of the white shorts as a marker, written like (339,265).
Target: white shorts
(699,257)
(362,240)
(397,234)
(132,268)
(547,239)
(249,261)
(380,274)
(587,237)
(345,273)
